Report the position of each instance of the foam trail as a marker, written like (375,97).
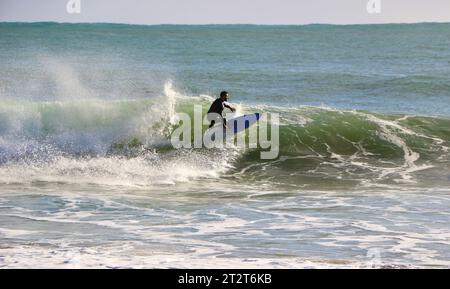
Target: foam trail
(410,156)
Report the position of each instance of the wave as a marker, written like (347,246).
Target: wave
(331,146)
(101,142)
(128,142)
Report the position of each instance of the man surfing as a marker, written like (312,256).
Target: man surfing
(216,109)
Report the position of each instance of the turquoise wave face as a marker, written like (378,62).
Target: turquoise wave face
(318,146)
(333,148)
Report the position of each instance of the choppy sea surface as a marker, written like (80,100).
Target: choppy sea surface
(89,179)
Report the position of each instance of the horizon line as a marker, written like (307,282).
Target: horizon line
(226,24)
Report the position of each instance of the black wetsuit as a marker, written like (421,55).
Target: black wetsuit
(216,109)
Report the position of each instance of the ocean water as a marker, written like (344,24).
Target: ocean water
(88,177)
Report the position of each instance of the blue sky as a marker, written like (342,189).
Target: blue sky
(227,11)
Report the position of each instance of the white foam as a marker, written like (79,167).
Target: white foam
(115,171)
(134,255)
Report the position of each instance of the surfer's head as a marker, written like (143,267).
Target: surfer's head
(224,95)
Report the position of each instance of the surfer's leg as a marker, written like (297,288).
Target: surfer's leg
(211,120)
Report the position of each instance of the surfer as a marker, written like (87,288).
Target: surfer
(216,109)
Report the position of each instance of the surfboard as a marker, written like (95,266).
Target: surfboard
(235,125)
(240,123)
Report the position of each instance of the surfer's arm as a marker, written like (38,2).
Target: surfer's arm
(227,105)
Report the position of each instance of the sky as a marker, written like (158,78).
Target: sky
(227,11)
